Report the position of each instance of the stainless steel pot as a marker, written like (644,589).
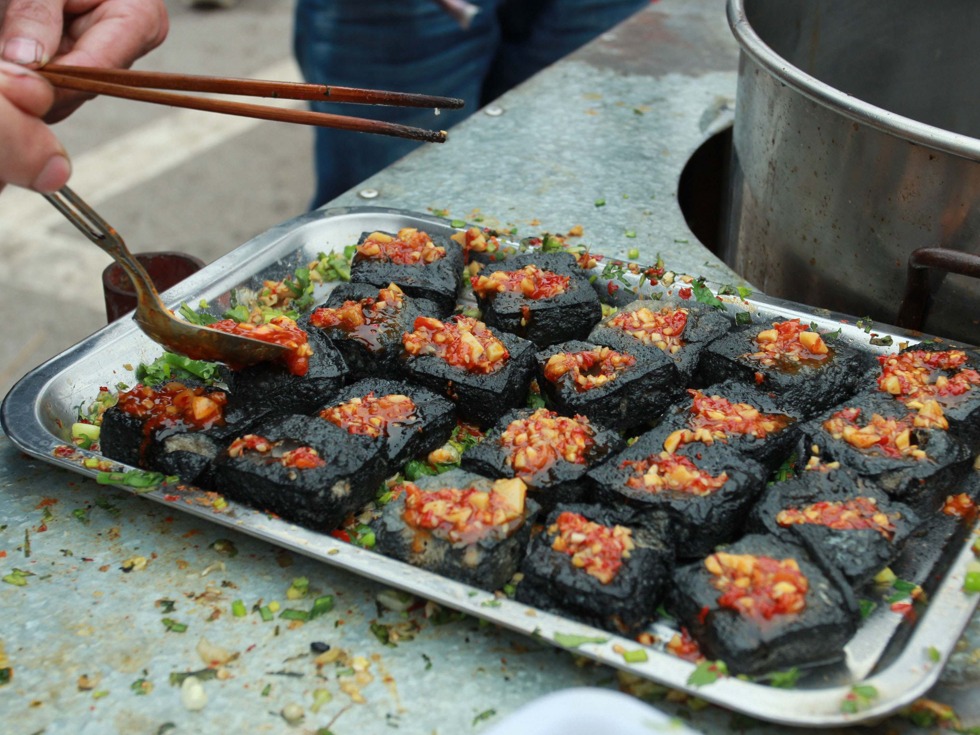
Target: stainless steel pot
(856,143)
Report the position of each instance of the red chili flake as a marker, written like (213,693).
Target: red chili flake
(703,614)
(171,498)
(611,288)
(280,330)
(341,534)
(903,608)
(3,554)
(46,502)
(961,506)
(685,647)
(685,293)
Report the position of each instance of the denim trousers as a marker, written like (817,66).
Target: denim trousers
(415,46)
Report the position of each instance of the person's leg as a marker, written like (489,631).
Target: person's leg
(537,33)
(402,45)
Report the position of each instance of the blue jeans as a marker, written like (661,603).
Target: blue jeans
(414,46)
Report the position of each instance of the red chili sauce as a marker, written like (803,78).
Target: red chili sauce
(464,515)
(364,319)
(530,281)
(410,247)
(890,437)
(853,514)
(280,330)
(672,472)
(173,403)
(714,418)
(598,550)
(534,444)
(758,586)
(789,345)
(923,374)
(461,341)
(372,415)
(302,458)
(588,369)
(663,328)
(474,240)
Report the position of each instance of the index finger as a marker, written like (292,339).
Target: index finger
(30,31)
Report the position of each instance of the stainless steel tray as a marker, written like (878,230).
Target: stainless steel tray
(901,659)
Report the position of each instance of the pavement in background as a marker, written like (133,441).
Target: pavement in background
(166,179)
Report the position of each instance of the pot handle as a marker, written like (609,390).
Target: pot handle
(915,301)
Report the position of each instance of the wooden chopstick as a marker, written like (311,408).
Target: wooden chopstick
(244,109)
(255,87)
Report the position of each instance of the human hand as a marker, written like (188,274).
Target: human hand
(101,33)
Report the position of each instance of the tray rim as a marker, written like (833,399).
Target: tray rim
(909,675)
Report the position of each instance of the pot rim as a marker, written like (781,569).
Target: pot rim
(851,107)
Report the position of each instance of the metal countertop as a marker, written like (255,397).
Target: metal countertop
(615,122)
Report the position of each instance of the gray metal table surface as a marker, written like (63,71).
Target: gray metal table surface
(93,630)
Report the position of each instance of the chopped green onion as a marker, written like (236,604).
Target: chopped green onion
(569,640)
(971,582)
(321,606)
(457,223)
(173,626)
(238,609)
(266,614)
(18,577)
(633,253)
(638,656)
(293,614)
(298,589)
(600,202)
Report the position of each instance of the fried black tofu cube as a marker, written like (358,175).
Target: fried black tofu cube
(366,324)
(762,605)
(790,360)
(598,565)
(303,469)
(410,420)
(549,452)
(845,523)
(609,385)
(938,372)
(543,297)
(175,428)
(269,389)
(422,265)
(736,414)
(483,371)
(680,329)
(908,453)
(706,491)
(458,524)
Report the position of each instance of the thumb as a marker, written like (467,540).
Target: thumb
(31,31)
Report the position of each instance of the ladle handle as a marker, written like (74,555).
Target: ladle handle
(96,229)
(916,301)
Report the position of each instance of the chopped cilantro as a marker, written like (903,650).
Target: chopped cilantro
(137,479)
(784,679)
(704,295)
(173,626)
(866,607)
(485,715)
(859,698)
(170,366)
(707,672)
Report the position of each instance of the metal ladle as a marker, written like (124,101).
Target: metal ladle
(152,315)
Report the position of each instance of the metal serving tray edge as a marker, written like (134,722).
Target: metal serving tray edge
(37,413)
